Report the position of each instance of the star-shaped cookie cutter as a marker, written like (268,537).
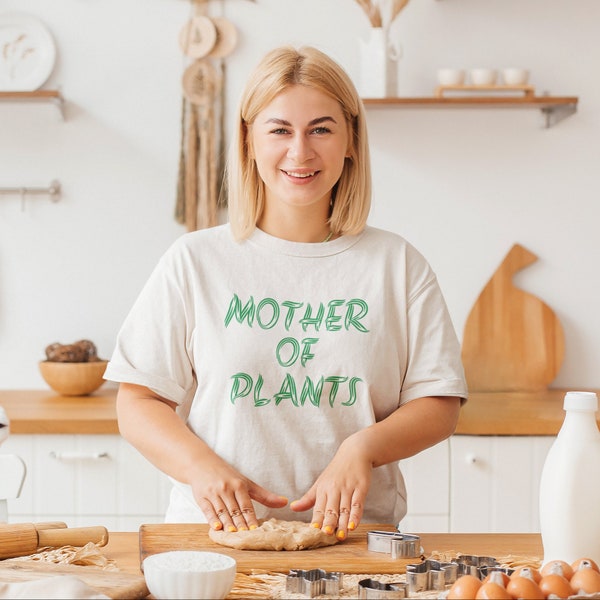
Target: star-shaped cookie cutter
(314,582)
(430,575)
(371,589)
(478,566)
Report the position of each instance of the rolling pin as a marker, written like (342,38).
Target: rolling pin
(21,539)
(49,525)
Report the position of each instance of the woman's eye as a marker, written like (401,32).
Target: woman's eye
(321,130)
(279,131)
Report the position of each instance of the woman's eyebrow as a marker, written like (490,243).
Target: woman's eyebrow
(316,121)
(322,120)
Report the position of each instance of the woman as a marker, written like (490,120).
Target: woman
(294,353)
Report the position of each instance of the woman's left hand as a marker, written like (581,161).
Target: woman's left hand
(338,495)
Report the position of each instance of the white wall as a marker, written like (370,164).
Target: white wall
(462,185)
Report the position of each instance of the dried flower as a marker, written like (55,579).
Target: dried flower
(377,17)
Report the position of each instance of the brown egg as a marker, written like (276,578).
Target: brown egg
(492,591)
(499,577)
(557,585)
(523,587)
(527,572)
(464,587)
(586,562)
(557,566)
(586,580)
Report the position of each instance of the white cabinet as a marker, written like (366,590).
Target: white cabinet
(427,478)
(86,480)
(494,483)
(476,484)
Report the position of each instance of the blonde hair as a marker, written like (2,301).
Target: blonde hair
(278,70)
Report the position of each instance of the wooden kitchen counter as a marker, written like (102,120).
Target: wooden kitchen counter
(45,411)
(489,413)
(124,549)
(514,413)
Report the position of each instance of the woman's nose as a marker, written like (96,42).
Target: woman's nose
(300,148)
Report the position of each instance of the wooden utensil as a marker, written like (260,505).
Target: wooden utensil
(349,556)
(50,525)
(512,340)
(21,539)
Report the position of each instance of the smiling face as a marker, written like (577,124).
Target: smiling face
(299,142)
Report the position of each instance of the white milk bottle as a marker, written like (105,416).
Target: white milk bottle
(570,485)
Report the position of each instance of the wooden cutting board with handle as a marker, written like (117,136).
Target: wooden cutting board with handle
(110,583)
(512,340)
(349,556)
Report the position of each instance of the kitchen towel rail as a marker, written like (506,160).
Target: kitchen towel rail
(53,190)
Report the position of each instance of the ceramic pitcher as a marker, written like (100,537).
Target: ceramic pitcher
(378,65)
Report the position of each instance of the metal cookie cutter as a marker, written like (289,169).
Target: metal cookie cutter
(478,566)
(399,545)
(371,589)
(314,582)
(430,575)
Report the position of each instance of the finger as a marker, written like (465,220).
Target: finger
(344,519)
(318,515)
(332,513)
(264,496)
(305,503)
(356,510)
(210,514)
(244,515)
(224,516)
(237,518)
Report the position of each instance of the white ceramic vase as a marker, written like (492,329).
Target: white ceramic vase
(378,65)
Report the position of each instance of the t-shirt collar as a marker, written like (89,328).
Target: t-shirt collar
(303,249)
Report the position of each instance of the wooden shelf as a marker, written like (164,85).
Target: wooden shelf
(53,96)
(554,108)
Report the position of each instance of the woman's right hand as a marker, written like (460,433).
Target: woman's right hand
(225,496)
(150,423)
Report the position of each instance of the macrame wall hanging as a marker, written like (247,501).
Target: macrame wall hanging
(205,42)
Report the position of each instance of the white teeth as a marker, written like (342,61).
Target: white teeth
(299,175)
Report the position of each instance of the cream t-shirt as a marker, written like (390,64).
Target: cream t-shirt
(277,351)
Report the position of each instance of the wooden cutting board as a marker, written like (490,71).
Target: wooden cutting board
(512,340)
(113,584)
(350,556)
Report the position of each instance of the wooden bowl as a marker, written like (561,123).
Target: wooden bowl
(73,379)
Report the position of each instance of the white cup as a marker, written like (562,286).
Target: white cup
(515,76)
(451,76)
(483,76)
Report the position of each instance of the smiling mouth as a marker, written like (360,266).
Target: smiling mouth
(297,175)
